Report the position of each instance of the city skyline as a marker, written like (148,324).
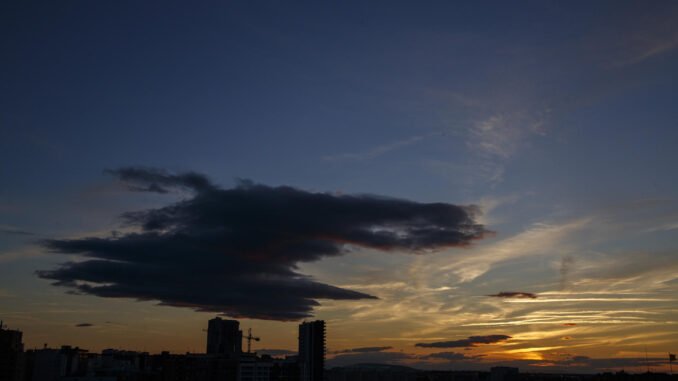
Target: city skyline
(310,351)
(446,185)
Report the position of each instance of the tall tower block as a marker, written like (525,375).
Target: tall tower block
(224,337)
(312,350)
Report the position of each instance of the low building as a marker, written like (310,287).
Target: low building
(253,368)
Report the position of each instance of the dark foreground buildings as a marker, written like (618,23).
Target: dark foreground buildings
(11,355)
(225,361)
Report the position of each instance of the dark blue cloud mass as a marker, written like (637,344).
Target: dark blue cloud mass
(235,251)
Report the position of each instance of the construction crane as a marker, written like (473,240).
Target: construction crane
(249,338)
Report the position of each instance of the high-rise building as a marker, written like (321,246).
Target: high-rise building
(312,350)
(11,355)
(224,337)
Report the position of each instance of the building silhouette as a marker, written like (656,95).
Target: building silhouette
(312,350)
(11,355)
(224,337)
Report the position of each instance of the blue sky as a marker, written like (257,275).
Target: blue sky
(557,119)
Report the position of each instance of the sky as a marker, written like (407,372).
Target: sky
(448,185)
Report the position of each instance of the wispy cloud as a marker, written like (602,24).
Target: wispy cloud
(7,229)
(647,32)
(492,141)
(653,47)
(501,135)
(539,238)
(379,150)
(494,136)
(648,39)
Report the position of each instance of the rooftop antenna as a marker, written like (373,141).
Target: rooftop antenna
(249,338)
(646,363)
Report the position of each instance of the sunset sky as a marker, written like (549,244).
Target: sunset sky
(449,185)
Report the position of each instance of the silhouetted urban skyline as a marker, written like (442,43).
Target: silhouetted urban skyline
(225,360)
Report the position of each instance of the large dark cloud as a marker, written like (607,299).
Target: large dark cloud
(236,251)
(465,343)
(513,294)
